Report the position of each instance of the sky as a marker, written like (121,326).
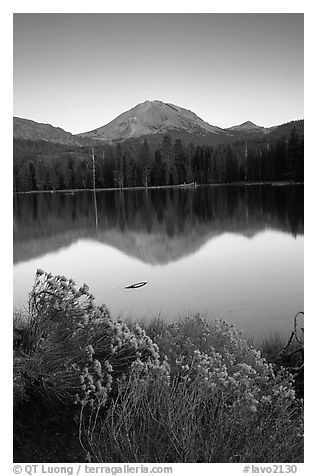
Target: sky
(80,71)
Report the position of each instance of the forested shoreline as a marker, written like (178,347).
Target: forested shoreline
(46,166)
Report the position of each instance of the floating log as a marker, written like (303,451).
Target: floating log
(136,285)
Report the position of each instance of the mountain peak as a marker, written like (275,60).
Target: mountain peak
(153,117)
(249,123)
(248,126)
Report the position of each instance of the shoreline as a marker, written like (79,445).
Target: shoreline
(159,187)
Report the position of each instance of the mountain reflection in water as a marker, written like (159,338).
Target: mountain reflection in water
(158,231)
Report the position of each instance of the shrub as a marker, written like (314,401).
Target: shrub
(69,350)
(214,399)
(190,391)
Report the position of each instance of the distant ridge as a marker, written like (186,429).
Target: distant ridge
(152,120)
(27,129)
(250,127)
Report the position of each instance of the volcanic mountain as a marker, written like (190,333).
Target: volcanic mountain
(155,117)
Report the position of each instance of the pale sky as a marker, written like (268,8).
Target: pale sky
(80,71)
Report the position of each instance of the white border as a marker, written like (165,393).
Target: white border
(310,189)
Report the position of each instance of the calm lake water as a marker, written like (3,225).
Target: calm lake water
(225,251)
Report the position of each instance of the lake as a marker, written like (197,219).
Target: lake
(234,252)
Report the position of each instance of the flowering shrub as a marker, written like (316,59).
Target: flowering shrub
(214,355)
(212,399)
(74,351)
(190,391)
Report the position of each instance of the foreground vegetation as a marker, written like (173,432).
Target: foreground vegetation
(87,387)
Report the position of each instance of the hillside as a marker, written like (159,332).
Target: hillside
(249,127)
(284,130)
(31,130)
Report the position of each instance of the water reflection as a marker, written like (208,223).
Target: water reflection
(235,252)
(183,219)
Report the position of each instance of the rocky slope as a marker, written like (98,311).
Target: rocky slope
(154,117)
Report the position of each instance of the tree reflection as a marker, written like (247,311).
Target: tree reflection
(170,213)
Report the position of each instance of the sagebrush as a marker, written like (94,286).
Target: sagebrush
(190,391)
